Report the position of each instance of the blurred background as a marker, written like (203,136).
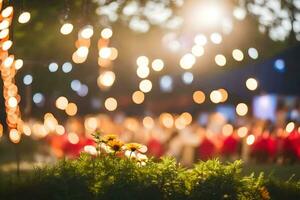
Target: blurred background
(193,79)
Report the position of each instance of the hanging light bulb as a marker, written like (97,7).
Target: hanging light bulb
(66,28)
(24,17)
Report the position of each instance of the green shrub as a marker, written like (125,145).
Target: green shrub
(110,178)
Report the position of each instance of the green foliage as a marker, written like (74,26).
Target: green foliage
(111,177)
(283,190)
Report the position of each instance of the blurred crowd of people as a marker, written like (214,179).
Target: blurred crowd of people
(183,137)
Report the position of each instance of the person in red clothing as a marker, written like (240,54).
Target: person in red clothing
(230,146)
(207,149)
(72,142)
(291,146)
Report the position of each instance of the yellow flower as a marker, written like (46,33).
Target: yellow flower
(132,149)
(115,145)
(106,138)
(135,147)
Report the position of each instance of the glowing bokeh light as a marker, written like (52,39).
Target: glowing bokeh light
(200,39)
(87,32)
(24,17)
(199,97)
(241,109)
(143,71)
(138,97)
(220,60)
(148,122)
(187,61)
(216,38)
(251,84)
(250,139)
(157,65)
(61,103)
(242,131)
(237,55)
(253,53)
(111,104)
(145,86)
(166,83)
(27,80)
(290,127)
(197,50)
(216,96)
(71,109)
(187,78)
(106,33)
(53,67)
(142,61)
(66,28)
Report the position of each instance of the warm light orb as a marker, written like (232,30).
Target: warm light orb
(157,65)
(87,32)
(24,17)
(237,55)
(290,127)
(142,61)
(91,124)
(82,52)
(26,130)
(60,130)
(14,136)
(106,33)
(73,138)
(220,60)
(4,33)
(7,63)
(216,96)
(61,103)
(113,54)
(78,59)
(4,24)
(145,86)
(251,84)
(186,118)
(106,79)
(111,104)
(143,71)
(7,11)
(224,94)
(197,50)
(250,139)
(187,61)
(138,97)
(167,120)
(66,28)
(241,109)
(71,109)
(19,64)
(200,39)
(199,97)
(6,45)
(242,131)
(216,38)
(105,52)
(148,122)
(12,102)
(227,130)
